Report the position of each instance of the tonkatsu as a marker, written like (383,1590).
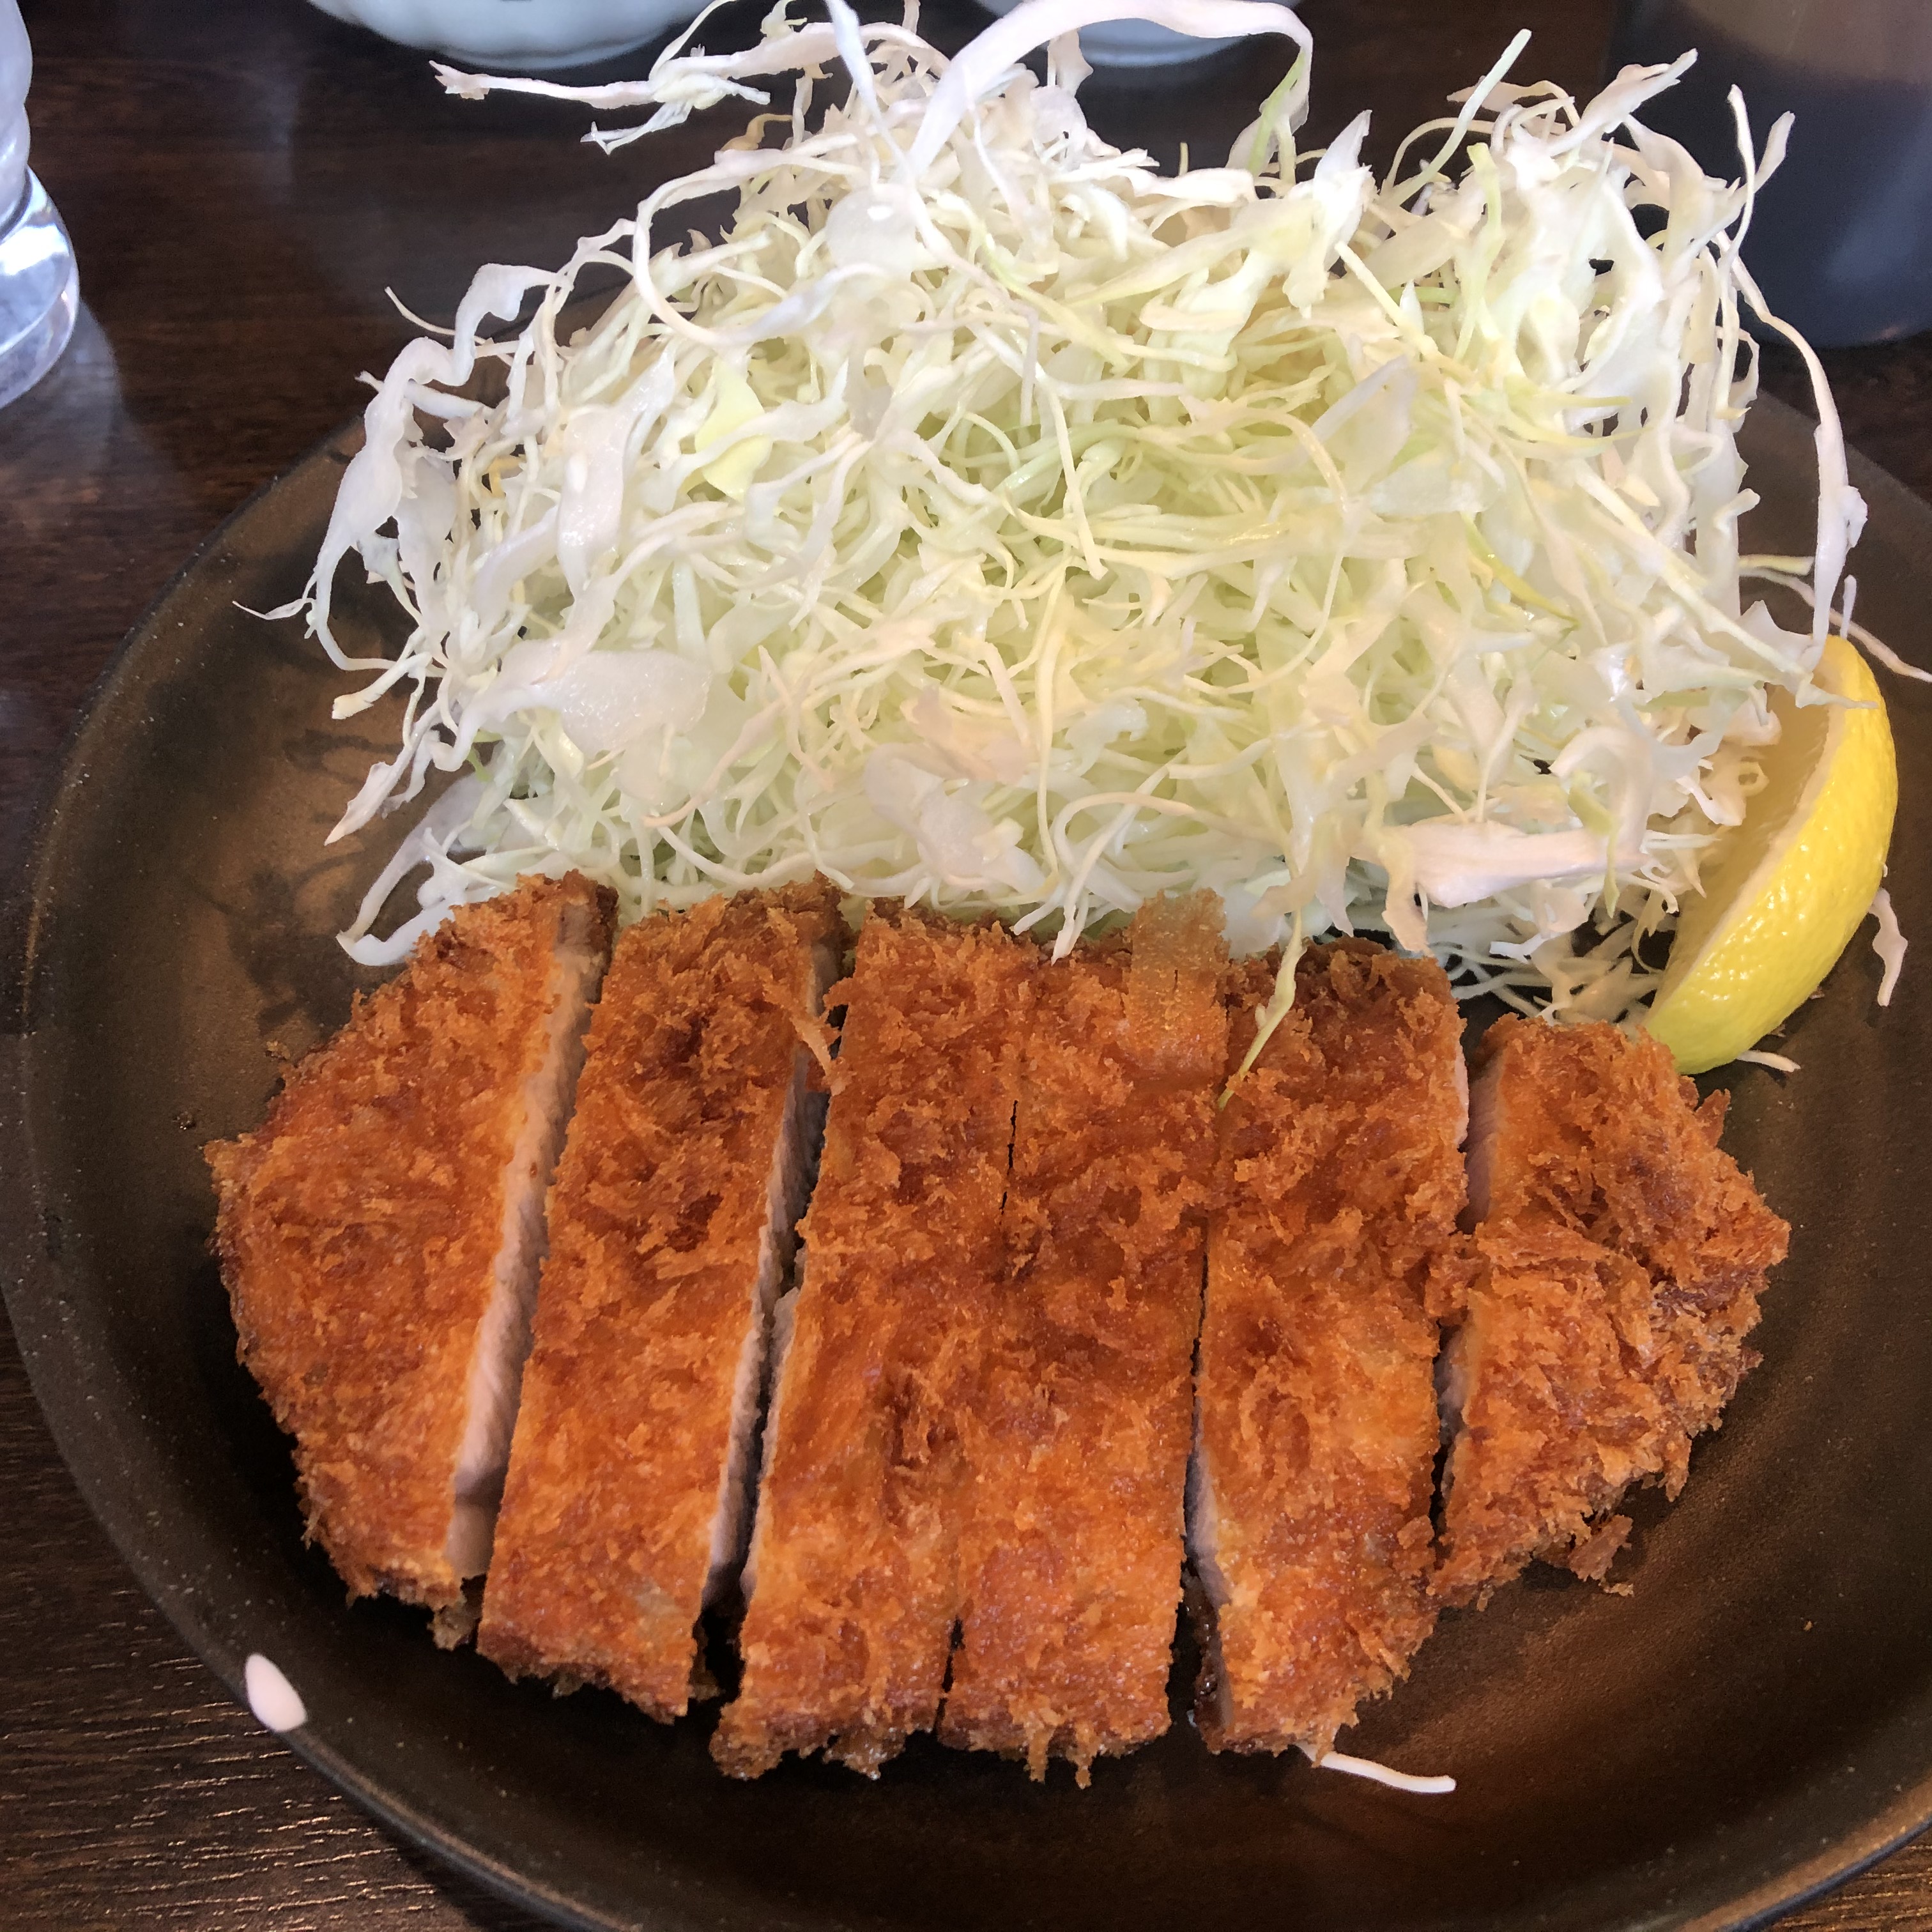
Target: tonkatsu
(1620,1253)
(670,1227)
(1339,1181)
(1077,1433)
(380,1235)
(851,1585)
(996,1415)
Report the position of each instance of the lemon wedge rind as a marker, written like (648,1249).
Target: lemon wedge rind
(1781,901)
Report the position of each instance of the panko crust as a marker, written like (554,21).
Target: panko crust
(849,1619)
(358,1228)
(1339,1182)
(1619,1264)
(657,1217)
(1078,1434)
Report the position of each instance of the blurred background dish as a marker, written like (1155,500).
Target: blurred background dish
(1129,42)
(1841,241)
(527,35)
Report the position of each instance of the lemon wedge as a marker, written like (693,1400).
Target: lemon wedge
(1790,886)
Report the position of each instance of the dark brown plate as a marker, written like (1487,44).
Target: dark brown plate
(1754,1723)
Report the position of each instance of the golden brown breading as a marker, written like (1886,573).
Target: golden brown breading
(661,1217)
(1071,1557)
(1621,1255)
(1339,1181)
(852,1581)
(359,1228)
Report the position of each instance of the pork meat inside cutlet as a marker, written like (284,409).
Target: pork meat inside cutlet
(1339,1181)
(1079,1435)
(380,1234)
(671,1229)
(1621,1255)
(851,1583)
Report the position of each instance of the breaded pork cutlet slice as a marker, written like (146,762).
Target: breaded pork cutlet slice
(670,1228)
(851,1584)
(1079,1435)
(380,1234)
(1339,1182)
(1621,1255)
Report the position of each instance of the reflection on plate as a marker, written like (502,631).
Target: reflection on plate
(1755,1719)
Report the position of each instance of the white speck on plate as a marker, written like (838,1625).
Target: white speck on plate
(272,1698)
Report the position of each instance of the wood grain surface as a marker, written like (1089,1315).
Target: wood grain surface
(242,179)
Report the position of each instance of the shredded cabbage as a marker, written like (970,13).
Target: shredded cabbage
(1380,1774)
(989,519)
(1889,943)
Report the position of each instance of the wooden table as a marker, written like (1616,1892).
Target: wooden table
(242,178)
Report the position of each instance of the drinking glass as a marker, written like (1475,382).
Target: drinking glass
(39,292)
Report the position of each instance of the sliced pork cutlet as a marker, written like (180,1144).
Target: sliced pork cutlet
(1078,1436)
(671,1229)
(1621,1255)
(851,1582)
(1339,1182)
(380,1235)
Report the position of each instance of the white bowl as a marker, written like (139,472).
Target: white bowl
(526,35)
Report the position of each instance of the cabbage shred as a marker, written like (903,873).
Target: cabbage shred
(989,520)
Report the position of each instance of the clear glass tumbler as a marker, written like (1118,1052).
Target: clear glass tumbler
(39,291)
